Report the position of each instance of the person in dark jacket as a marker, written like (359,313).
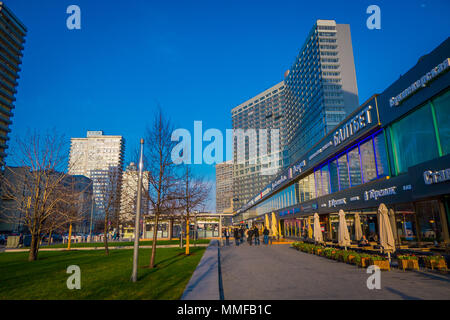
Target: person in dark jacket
(227,236)
(256,235)
(242,234)
(249,236)
(266,236)
(236,236)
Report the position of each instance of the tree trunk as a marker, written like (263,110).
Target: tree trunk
(50,237)
(105,235)
(155,238)
(34,248)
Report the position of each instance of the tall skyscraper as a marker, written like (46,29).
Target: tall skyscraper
(224,185)
(12,39)
(321,86)
(128,195)
(100,158)
(264,111)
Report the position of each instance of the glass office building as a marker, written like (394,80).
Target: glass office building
(12,39)
(394,149)
(264,111)
(321,87)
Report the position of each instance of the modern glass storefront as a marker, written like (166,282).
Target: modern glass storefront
(400,157)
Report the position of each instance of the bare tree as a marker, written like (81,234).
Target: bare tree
(108,184)
(162,173)
(194,193)
(76,199)
(32,192)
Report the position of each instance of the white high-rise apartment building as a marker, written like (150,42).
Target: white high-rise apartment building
(128,195)
(224,185)
(98,157)
(264,111)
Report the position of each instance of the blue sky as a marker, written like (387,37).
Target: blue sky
(197,59)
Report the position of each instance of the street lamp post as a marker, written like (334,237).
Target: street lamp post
(138,214)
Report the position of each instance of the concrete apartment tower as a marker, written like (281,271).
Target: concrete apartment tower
(224,185)
(321,87)
(98,157)
(264,111)
(12,39)
(128,196)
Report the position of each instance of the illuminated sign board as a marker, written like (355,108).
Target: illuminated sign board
(352,127)
(422,82)
(431,177)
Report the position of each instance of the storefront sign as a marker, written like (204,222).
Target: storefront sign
(296,169)
(431,177)
(319,151)
(276,183)
(332,203)
(375,194)
(422,82)
(353,126)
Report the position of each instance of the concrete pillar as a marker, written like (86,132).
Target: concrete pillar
(444,222)
(170,228)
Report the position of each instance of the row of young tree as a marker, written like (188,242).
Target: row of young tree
(40,194)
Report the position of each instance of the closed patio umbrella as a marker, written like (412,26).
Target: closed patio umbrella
(393,224)
(343,236)
(274,225)
(387,241)
(317,229)
(358,230)
(267,224)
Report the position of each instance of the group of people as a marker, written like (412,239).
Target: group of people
(252,235)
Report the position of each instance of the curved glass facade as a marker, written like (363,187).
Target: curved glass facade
(362,162)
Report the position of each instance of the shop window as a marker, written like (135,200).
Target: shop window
(414,139)
(442,108)
(354,167)
(325,179)
(369,171)
(429,221)
(334,178)
(369,224)
(318,179)
(405,217)
(344,181)
(379,145)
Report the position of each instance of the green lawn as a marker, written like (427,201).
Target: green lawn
(102,277)
(124,243)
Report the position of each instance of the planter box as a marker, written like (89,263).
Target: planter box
(433,264)
(350,259)
(382,264)
(408,264)
(364,263)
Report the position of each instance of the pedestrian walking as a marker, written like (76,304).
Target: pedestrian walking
(242,232)
(266,236)
(256,236)
(237,236)
(227,237)
(249,236)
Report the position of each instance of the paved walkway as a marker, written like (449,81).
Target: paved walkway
(281,272)
(103,248)
(204,283)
